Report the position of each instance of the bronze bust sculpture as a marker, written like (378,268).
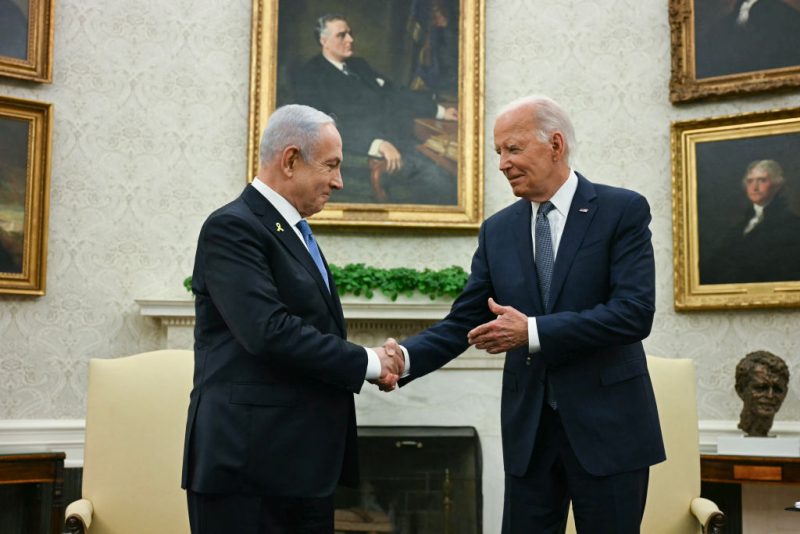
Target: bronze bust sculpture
(762,381)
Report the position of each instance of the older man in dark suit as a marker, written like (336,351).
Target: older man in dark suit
(569,278)
(271,427)
(374,116)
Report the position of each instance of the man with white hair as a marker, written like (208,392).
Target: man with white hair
(563,282)
(764,244)
(271,428)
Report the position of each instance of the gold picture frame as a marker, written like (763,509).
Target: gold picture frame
(375,31)
(725,47)
(26,39)
(25,127)
(726,253)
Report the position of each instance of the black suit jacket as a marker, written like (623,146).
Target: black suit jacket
(770,252)
(364,110)
(271,410)
(602,303)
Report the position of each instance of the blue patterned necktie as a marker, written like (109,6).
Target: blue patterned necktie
(313,249)
(544,250)
(544,269)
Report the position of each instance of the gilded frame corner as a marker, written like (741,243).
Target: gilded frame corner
(468,213)
(37,66)
(31,245)
(721,135)
(685,86)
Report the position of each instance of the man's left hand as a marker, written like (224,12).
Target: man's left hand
(508,331)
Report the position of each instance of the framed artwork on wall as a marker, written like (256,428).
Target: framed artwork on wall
(25,129)
(736,211)
(729,47)
(404,82)
(26,39)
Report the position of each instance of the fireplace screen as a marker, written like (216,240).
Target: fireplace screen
(414,480)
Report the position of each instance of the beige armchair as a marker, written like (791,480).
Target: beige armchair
(135,422)
(674,505)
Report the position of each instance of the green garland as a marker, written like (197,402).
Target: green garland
(359,279)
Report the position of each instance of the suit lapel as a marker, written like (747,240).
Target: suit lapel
(274,222)
(524,249)
(581,213)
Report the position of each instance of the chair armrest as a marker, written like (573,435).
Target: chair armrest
(709,515)
(78,516)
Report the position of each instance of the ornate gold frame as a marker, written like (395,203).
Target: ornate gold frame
(38,66)
(31,281)
(684,85)
(689,293)
(468,214)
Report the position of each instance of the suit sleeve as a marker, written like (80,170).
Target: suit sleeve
(243,288)
(627,315)
(447,339)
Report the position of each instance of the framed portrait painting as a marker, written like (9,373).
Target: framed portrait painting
(736,211)
(26,39)
(25,128)
(403,81)
(729,47)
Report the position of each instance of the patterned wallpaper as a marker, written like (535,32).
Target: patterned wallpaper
(150,131)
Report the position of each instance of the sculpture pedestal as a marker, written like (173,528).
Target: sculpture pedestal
(786,447)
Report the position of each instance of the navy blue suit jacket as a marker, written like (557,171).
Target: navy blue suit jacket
(271,410)
(601,306)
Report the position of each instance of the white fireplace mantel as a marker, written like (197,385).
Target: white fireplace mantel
(370,321)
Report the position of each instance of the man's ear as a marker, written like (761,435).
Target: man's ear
(289,158)
(557,145)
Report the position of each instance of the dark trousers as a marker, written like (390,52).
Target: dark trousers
(253,514)
(538,502)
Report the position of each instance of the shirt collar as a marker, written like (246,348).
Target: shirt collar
(335,63)
(562,199)
(283,206)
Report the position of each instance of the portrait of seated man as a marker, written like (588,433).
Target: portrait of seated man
(738,36)
(762,381)
(376,119)
(763,242)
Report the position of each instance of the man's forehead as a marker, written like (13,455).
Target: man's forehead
(337,25)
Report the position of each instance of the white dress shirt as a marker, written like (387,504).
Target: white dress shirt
(557,218)
(293,217)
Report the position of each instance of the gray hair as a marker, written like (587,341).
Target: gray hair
(772,167)
(549,118)
(293,124)
(321,29)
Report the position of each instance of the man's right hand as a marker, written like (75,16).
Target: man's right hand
(392,364)
(394,160)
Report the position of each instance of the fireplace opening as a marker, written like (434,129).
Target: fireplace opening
(414,480)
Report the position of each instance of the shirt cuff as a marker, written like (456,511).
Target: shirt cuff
(373,365)
(407,368)
(534,345)
(440,111)
(373,149)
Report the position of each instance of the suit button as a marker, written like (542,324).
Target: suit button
(528,361)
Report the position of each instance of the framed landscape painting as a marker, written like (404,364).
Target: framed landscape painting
(25,128)
(403,81)
(736,211)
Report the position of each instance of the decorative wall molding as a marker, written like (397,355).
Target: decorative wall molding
(67,435)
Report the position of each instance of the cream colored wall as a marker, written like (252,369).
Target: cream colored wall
(150,129)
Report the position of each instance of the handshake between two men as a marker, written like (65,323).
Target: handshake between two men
(508,331)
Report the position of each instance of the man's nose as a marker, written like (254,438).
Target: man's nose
(338,181)
(504,163)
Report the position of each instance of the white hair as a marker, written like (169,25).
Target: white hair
(770,166)
(548,118)
(293,124)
